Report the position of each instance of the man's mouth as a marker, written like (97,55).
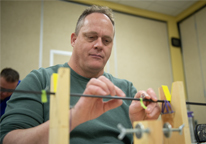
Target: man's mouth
(96,55)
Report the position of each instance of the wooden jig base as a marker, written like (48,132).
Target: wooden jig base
(154,136)
(59,107)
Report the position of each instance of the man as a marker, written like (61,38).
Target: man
(9,79)
(93,120)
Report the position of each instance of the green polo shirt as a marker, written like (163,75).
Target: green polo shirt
(26,110)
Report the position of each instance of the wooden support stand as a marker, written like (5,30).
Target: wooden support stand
(59,107)
(154,137)
(179,116)
(176,119)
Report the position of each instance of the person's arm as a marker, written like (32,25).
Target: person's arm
(38,134)
(35,135)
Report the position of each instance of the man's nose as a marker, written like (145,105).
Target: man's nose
(98,43)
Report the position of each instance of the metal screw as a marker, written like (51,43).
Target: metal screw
(167,130)
(139,129)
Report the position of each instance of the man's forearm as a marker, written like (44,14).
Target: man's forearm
(40,133)
(35,135)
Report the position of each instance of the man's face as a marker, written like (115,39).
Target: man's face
(6,85)
(93,45)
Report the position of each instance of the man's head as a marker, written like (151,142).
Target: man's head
(93,9)
(8,80)
(92,41)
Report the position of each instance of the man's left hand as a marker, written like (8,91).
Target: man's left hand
(138,113)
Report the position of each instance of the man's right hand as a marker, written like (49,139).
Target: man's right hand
(88,108)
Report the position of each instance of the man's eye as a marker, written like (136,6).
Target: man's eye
(91,38)
(106,41)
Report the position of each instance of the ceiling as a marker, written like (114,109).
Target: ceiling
(168,7)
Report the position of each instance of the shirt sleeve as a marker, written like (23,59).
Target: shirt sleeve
(24,110)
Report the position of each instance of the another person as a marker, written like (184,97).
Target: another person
(9,79)
(93,120)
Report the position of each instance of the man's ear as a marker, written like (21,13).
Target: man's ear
(73,39)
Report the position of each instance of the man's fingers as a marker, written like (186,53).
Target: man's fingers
(153,112)
(119,92)
(97,83)
(95,90)
(111,104)
(150,107)
(140,94)
(149,94)
(153,109)
(105,85)
(152,94)
(109,84)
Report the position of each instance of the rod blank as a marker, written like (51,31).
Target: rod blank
(94,96)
